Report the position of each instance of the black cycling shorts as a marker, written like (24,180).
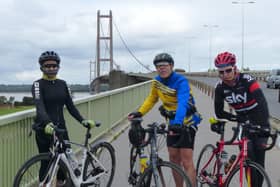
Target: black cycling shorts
(187,142)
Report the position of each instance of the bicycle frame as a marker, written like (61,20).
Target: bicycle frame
(154,156)
(58,154)
(242,156)
(152,141)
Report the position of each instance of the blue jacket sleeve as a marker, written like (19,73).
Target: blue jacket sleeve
(183,94)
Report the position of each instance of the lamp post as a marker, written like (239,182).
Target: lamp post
(189,38)
(242,3)
(210,27)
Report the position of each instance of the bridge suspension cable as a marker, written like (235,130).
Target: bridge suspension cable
(128,49)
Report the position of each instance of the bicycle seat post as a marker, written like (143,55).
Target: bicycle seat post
(222,132)
(87,136)
(154,140)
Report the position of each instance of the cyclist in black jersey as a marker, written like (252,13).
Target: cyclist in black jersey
(243,93)
(50,95)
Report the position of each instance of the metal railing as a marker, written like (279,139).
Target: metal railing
(259,75)
(110,108)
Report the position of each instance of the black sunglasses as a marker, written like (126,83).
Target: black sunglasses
(50,66)
(225,71)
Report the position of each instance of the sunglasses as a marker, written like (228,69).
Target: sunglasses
(221,72)
(50,66)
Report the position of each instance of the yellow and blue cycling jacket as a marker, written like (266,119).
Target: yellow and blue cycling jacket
(175,94)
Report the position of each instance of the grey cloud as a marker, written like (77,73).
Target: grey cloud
(69,27)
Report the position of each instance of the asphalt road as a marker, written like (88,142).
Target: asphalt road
(204,136)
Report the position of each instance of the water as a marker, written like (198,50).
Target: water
(19,95)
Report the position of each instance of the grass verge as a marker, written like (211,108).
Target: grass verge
(5,111)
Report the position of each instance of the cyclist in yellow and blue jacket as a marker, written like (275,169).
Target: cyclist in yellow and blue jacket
(178,107)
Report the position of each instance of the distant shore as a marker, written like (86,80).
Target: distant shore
(27,87)
(19,95)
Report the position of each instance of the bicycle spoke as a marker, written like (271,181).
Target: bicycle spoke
(28,175)
(105,166)
(251,175)
(208,173)
(164,176)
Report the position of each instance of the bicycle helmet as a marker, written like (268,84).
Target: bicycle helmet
(225,59)
(163,57)
(49,55)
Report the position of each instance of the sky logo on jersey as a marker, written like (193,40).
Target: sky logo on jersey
(236,98)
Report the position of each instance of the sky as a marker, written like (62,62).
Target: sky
(192,31)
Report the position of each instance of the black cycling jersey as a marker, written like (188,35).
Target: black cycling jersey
(50,96)
(245,97)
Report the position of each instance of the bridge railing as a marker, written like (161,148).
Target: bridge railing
(259,75)
(109,108)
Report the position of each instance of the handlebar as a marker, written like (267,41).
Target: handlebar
(160,129)
(251,130)
(150,130)
(59,132)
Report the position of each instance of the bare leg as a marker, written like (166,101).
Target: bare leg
(174,157)
(187,162)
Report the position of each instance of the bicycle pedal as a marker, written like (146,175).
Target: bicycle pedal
(132,179)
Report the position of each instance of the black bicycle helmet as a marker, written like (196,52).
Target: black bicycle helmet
(163,57)
(49,55)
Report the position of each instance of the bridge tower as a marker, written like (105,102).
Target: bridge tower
(104,51)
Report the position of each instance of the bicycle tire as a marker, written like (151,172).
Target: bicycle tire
(233,178)
(99,150)
(134,162)
(28,174)
(147,179)
(203,158)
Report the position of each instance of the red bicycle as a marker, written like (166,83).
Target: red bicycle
(213,167)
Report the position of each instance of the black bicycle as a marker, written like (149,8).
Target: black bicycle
(96,165)
(153,171)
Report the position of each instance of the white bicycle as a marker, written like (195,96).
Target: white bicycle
(96,165)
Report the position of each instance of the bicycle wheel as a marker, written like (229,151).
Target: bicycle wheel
(134,163)
(253,176)
(203,158)
(166,171)
(106,156)
(28,174)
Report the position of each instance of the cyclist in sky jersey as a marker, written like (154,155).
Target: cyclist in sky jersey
(243,93)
